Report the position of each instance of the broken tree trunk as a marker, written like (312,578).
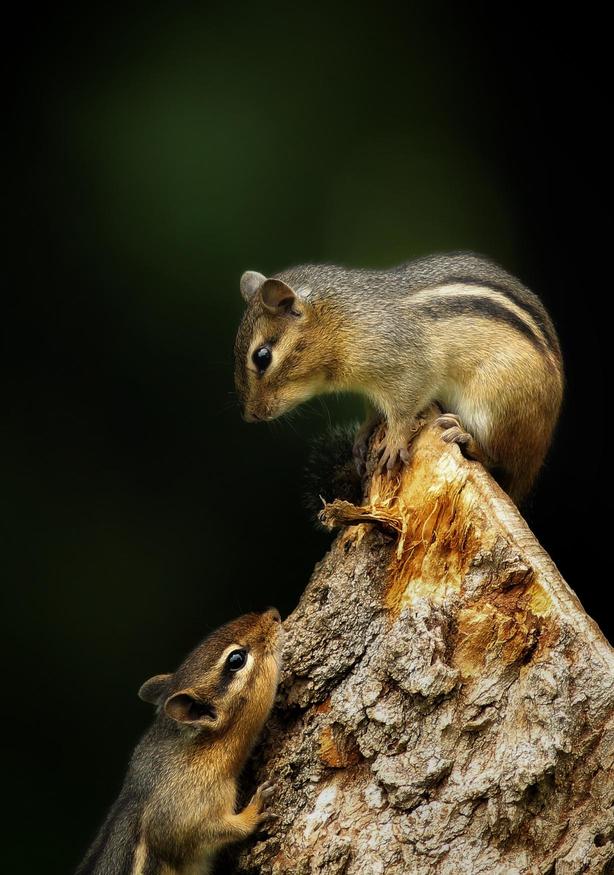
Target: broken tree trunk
(446,705)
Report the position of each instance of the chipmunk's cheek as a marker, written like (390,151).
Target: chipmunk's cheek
(292,395)
(281,407)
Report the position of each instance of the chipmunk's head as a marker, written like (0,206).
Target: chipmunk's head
(282,356)
(228,681)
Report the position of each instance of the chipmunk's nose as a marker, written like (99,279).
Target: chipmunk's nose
(250,417)
(274,614)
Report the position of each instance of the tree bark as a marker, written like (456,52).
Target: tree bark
(446,704)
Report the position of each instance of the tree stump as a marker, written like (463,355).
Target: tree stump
(446,705)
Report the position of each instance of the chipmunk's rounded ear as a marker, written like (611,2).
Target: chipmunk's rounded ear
(277,296)
(251,281)
(186,707)
(154,689)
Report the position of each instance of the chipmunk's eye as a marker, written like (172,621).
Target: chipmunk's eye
(262,358)
(236,660)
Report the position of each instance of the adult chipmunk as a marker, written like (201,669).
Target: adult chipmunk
(455,329)
(176,808)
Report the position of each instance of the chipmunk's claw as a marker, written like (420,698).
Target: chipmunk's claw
(453,432)
(266,790)
(392,455)
(260,799)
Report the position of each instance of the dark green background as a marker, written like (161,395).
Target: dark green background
(157,154)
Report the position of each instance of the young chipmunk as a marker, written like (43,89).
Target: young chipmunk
(177,805)
(455,329)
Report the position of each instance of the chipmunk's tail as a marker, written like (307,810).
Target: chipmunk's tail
(330,471)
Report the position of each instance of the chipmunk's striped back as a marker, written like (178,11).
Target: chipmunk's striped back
(453,328)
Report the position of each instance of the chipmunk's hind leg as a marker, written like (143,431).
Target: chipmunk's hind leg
(454,433)
(510,415)
(519,466)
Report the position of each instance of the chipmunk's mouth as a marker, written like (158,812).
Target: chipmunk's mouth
(257,413)
(251,416)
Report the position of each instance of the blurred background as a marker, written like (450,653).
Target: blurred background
(157,153)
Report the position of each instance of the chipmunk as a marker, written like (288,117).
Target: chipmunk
(455,329)
(177,805)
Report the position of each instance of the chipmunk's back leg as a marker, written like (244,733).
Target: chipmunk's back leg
(506,418)
(520,460)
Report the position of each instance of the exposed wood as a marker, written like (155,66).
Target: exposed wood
(446,706)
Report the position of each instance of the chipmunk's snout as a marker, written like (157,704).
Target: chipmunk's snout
(272,629)
(249,416)
(257,410)
(247,413)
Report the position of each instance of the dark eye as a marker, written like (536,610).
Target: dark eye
(262,357)
(236,660)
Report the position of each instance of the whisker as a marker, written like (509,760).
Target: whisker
(326,410)
(289,419)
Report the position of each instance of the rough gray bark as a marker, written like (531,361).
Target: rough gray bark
(446,705)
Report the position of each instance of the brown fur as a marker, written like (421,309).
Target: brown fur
(455,329)
(177,806)
(310,351)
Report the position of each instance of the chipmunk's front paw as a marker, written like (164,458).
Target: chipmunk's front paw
(393,452)
(260,801)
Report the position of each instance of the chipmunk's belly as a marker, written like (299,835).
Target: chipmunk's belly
(475,415)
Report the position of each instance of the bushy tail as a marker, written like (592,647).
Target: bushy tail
(330,471)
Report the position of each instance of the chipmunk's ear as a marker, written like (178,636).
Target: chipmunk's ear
(251,281)
(277,296)
(154,689)
(187,707)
